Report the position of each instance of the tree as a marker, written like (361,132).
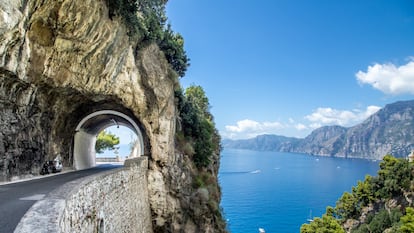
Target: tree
(172,44)
(394,180)
(203,146)
(380,222)
(364,192)
(326,224)
(346,207)
(394,177)
(197,96)
(364,228)
(197,124)
(407,221)
(106,141)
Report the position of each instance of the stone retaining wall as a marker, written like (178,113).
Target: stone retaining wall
(115,201)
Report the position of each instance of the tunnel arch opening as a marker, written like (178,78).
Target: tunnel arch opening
(84,155)
(121,151)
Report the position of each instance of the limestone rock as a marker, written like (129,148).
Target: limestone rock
(61,60)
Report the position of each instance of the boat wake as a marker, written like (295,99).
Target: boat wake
(242,172)
(255,171)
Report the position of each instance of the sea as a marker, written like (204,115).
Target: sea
(278,191)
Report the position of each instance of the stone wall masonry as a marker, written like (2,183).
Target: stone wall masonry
(113,201)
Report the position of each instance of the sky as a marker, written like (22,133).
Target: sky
(126,136)
(287,67)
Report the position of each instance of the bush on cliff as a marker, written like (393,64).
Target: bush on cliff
(377,204)
(196,127)
(146,23)
(407,221)
(326,224)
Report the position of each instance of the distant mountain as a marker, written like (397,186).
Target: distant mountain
(263,143)
(389,131)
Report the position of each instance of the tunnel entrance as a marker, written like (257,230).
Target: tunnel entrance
(84,155)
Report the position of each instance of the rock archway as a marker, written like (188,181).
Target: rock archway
(60,62)
(87,129)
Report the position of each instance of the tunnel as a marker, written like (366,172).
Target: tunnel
(89,127)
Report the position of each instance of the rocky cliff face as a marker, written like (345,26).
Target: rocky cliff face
(264,143)
(322,141)
(389,131)
(63,59)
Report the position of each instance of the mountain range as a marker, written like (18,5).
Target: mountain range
(388,131)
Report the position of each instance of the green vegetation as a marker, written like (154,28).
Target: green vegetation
(146,24)
(376,204)
(407,221)
(198,139)
(326,224)
(380,221)
(105,141)
(196,134)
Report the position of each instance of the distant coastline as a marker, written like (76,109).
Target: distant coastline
(389,131)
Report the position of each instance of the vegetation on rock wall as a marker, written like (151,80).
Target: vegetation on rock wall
(377,204)
(326,224)
(198,138)
(146,22)
(196,134)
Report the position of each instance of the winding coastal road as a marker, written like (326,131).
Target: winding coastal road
(17,198)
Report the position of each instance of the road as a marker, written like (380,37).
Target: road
(17,198)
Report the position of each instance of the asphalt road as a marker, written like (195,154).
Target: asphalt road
(17,198)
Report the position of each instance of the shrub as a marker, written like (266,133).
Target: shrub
(326,224)
(407,221)
(196,125)
(146,23)
(393,181)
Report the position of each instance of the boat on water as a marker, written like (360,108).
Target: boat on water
(310,219)
(261,230)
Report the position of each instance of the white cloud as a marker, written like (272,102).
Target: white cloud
(291,128)
(250,128)
(330,116)
(389,78)
(301,126)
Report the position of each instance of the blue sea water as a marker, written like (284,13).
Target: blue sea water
(279,191)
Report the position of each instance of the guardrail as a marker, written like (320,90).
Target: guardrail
(112,201)
(108,159)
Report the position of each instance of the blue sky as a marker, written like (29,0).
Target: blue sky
(287,67)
